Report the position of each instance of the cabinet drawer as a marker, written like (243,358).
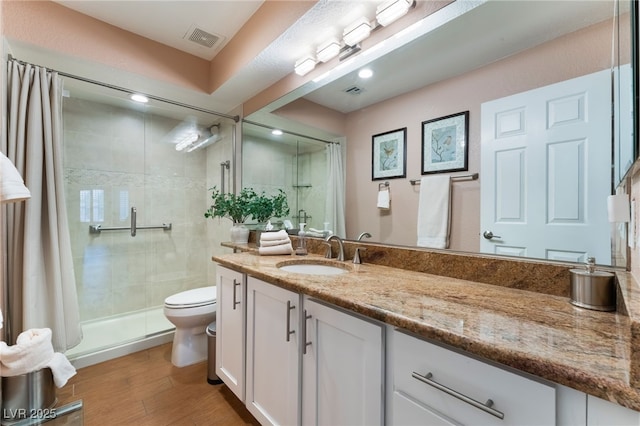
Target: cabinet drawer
(459,387)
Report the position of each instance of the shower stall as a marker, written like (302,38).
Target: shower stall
(294,163)
(136,183)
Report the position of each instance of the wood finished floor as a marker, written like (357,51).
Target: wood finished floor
(144,388)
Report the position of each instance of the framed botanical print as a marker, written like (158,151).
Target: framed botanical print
(445,145)
(389,155)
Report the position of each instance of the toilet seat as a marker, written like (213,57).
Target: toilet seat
(193,298)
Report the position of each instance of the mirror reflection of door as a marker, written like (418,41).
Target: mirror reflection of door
(542,153)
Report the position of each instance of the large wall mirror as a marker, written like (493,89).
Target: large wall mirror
(568,61)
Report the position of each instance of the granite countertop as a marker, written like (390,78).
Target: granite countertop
(537,333)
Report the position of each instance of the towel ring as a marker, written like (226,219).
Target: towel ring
(382,185)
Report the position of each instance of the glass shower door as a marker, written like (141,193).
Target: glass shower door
(144,165)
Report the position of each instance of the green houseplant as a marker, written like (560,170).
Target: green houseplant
(236,207)
(264,207)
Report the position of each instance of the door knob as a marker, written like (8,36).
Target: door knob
(489,235)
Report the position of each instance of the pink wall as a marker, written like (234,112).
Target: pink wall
(314,115)
(51,26)
(589,52)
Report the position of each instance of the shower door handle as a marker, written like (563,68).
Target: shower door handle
(224,166)
(134,214)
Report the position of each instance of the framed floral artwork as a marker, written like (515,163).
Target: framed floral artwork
(389,155)
(445,145)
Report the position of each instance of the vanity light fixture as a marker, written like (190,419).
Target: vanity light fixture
(357,31)
(391,10)
(328,50)
(139,98)
(305,65)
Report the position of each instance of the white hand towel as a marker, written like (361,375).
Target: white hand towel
(33,351)
(61,369)
(269,243)
(280,249)
(271,236)
(384,199)
(434,211)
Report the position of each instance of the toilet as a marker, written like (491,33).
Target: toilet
(191,312)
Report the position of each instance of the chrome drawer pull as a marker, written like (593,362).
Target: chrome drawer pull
(304,333)
(484,407)
(235,299)
(289,331)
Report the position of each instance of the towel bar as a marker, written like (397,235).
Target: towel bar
(473,176)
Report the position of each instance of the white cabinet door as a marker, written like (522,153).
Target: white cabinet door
(342,366)
(605,413)
(273,360)
(230,329)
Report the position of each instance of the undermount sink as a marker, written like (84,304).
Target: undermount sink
(312,267)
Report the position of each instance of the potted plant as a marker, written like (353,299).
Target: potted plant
(236,207)
(264,207)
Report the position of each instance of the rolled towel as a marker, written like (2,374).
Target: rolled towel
(279,249)
(269,243)
(33,351)
(271,236)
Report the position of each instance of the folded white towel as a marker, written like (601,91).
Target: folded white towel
(12,186)
(433,211)
(279,249)
(1,320)
(271,236)
(271,243)
(384,199)
(33,351)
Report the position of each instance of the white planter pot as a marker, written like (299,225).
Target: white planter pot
(239,234)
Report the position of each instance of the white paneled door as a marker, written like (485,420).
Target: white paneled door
(546,162)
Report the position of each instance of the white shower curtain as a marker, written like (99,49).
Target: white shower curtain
(334,213)
(41,289)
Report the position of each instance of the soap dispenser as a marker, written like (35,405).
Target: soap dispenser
(593,289)
(301,250)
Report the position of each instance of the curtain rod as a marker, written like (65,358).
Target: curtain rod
(287,132)
(473,176)
(235,118)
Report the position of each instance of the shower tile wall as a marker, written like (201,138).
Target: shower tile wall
(115,159)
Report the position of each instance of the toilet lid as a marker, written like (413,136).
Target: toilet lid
(195,297)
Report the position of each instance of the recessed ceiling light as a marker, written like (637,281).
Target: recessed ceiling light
(276,132)
(365,73)
(139,98)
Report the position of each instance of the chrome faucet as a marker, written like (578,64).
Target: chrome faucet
(363,235)
(328,253)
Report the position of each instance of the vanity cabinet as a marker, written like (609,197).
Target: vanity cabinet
(230,329)
(273,374)
(436,385)
(605,413)
(343,368)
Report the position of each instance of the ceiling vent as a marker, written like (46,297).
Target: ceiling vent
(353,90)
(202,37)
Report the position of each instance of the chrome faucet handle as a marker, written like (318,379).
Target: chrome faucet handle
(356,255)
(328,253)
